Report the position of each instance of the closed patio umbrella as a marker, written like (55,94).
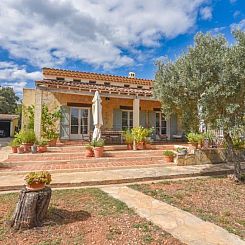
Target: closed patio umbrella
(97,115)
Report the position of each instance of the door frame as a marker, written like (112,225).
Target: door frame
(79,135)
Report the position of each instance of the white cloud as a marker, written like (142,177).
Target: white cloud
(240,25)
(47,32)
(15,76)
(206,13)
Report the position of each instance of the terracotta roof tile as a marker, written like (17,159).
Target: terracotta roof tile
(95,76)
(94,87)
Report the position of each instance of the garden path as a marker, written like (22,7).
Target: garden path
(181,224)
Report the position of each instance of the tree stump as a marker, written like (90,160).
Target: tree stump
(31,208)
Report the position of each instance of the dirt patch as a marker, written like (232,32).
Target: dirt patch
(218,200)
(85,216)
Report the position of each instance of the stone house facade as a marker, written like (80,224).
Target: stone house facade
(126,101)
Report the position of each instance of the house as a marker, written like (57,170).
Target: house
(126,101)
(8,125)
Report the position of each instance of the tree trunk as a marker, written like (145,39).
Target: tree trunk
(31,208)
(232,156)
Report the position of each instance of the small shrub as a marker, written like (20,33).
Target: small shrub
(14,143)
(98,143)
(128,137)
(25,136)
(42,177)
(169,153)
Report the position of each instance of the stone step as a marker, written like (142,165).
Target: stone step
(78,148)
(49,156)
(89,160)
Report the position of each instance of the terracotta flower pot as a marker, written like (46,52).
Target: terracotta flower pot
(98,151)
(148,146)
(129,146)
(14,149)
(42,149)
(27,146)
(141,146)
(36,186)
(168,158)
(89,152)
(20,150)
(52,143)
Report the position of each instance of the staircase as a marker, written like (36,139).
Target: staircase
(72,158)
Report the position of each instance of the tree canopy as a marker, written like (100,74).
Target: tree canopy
(8,101)
(208,78)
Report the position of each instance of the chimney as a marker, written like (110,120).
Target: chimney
(131,74)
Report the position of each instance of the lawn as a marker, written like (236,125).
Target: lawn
(218,200)
(83,216)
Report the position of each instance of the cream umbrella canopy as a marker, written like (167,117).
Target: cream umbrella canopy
(97,115)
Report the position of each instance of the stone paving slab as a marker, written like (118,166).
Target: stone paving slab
(15,180)
(181,224)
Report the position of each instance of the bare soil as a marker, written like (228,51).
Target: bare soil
(218,200)
(84,216)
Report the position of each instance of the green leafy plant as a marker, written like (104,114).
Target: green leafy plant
(14,143)
(98,143)
(49,121)
(169,153)
(128,137)
(40,177)
(140,133)
(25,136)
(88,147)
(195,138)
(42,142)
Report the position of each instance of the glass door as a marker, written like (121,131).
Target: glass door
(80,118)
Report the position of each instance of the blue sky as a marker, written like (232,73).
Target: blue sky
(104,36)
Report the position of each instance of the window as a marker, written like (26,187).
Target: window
(126,85)
(139,86)
(127,120)
(161,124)
(76,80)
(107,83)
(92,82)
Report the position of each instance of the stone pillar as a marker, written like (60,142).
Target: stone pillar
(136,113)
(38,112)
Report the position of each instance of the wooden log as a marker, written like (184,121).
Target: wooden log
(31,208)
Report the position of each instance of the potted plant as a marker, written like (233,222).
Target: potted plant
(89,151)
(42,146)
(20,149)
(193,139)
(37,180)
(52,137)
(98,147)
(129,139)
(140,134)
(27,138)
(14,145)
(168,156)
(182,151)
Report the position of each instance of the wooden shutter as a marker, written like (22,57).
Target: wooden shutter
(117,119)
(65,123)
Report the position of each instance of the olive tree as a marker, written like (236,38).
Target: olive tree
(210,76)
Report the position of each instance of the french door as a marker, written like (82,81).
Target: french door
(127,120)
(161,124)
(79,122)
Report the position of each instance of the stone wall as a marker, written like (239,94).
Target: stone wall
(206,156)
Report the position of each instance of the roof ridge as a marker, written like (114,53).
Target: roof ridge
(94,73)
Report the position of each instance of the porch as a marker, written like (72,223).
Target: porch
(119,111)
